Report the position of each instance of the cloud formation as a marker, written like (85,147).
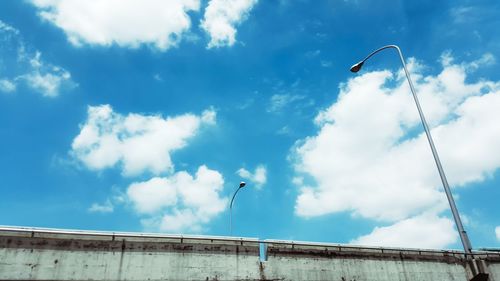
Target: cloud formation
(258,177)
(4,27)
(179,202)
(44,78)
(278,102)
(424,231)
(221,18)
(369,157)
(127,23)
(132,23)
(497,232)
(107,207)
(7,86)
(139,143)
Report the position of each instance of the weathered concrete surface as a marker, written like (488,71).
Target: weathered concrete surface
(346,263)
(494,270)
(34,254)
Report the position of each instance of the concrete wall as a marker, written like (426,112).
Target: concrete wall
(34,254)
(346,263)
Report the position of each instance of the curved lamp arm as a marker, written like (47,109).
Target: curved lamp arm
(242,184)
(357,67)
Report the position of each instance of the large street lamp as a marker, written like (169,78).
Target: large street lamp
(463,235)
(242,184)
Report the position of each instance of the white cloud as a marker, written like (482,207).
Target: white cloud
(209,116)
(278,102)
(139,143)
(151,196)
(157,77)
(312,54)
(179,202)
(47,79)
(462,14)
(486,59)
(258,177)
(497,232)
(221,17)
(326,63)
(44,78)
(7,86)
(425,231)
(285,130)
(4,27)
(127,23)
(132,23)
(368,159)
(107,207)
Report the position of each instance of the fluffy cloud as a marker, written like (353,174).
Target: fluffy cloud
(497,232)
(107,207)
(278,102)
(7,86)
(179,202)
(425,231)
(259,177)
(130,23)
(139,143)
(31,70)
(369,160)
(221,17)
(8,29)
(47,79)
(127,23)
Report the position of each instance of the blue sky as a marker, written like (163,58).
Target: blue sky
(145,116)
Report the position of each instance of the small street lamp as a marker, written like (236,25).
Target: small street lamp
(242,184)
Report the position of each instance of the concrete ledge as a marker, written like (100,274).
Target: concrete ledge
(15,238)
(34,232)
(278,248)
(366,254)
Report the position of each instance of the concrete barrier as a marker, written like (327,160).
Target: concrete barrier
(47,254)
(309,261)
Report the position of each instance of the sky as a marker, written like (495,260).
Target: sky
(145,115)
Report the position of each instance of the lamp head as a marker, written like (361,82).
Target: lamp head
(357,67)
(242,184)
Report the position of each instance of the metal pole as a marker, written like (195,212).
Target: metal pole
(242,184)
(456,216)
